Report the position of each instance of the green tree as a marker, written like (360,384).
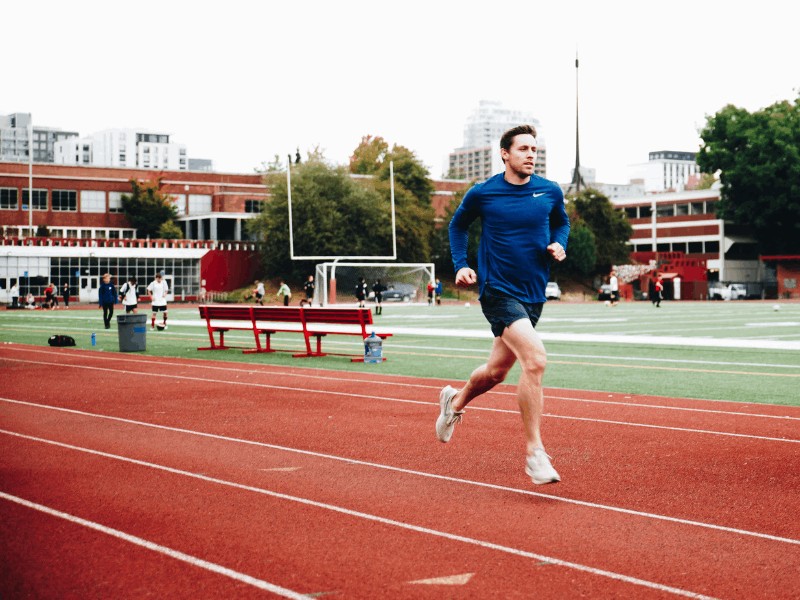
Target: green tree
(609,225)
(442,257)
(409,173)
(581,250)
(332,215)
(169,230)
(413,193)
(758,159)
(373,157)
(368,157)
(147,207)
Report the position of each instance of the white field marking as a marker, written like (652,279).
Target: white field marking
(492,486)
(603,338)
(673,360)
(663,407)
(187,558)
(774,324)
(253,369)
(398,400)
(377,519)
(462,579)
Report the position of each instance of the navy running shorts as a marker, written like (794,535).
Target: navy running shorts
(501,310)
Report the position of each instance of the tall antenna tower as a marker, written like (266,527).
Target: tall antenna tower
(577,179)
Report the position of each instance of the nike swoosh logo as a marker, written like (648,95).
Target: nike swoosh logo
(535,195)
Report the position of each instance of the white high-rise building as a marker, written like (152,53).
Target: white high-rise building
(15,142)
(479,157)
(123,148)
(666,171)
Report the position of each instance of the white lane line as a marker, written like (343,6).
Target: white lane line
(254,370)
(176,554)
(383,520)
(426,474)
(401,400)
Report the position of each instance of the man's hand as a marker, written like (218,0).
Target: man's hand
(465,277)
(556,251)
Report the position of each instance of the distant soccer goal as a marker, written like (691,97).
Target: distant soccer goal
(404,282)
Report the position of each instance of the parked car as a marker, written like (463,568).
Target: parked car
(732,291)
(604,293)
(399,292)
(552,291)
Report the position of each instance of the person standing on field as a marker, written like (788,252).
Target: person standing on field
(158,290)
(613,283)
(129,295)
(308,288)
(65,294)
(107,297)
(524,228)
(378,288)
(361,292)
(284,291)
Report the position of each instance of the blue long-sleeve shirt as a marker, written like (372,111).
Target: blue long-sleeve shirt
(107,294)
(518,222)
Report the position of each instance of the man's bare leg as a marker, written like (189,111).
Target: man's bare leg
(521,339)
(519,342)
(488,375)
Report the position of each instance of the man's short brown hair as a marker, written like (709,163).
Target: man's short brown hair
(508,136)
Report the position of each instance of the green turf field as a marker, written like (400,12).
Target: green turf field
(742,351)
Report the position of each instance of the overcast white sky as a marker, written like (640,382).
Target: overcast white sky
(239,82)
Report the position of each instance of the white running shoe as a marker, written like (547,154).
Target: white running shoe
(539,468)
(448,417)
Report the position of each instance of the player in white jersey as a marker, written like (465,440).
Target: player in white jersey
(158,289)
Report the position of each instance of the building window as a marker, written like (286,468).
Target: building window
(695,247)
(8,198)
(697,208)
(65,200)
(199,204)
(645,212)
(93,201)
(253,206)
(665,210)
(39,199)
(115,202)
(681,209)
(631,212)
(712,247)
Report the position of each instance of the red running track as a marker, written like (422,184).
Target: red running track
(128,476)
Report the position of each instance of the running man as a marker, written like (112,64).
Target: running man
(524,227)
(158,289)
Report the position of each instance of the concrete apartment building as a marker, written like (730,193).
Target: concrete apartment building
(666,171)
(126,148)
(15,142)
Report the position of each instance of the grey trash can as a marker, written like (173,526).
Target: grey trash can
(132,331)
